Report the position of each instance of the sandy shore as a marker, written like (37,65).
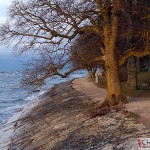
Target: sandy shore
(61,120)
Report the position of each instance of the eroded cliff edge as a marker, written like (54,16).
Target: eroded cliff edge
(61,120)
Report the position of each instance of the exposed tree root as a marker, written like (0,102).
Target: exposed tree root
(107,107)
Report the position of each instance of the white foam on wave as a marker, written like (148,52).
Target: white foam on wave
(42,92)
(36,95)
(10,109)
(31,97)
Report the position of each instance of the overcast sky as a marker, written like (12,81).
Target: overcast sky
(4,4)
(7,60)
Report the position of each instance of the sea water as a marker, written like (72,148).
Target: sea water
(13,97)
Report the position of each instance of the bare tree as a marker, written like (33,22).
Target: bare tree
(85,50)
(45,65)
(53,24)
(136,38)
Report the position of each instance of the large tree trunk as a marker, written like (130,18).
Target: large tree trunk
(114,94)
(132,75)
(111,26)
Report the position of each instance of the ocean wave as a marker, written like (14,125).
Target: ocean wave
(12,97)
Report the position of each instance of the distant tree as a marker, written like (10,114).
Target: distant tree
(80,55)
(137,30)
(131,84)
(136,38)
(85,49)
(45,65)
(53,25)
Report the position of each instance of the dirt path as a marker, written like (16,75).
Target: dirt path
(139,105)
(87,87)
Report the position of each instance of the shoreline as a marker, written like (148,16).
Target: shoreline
(62,116)
(7,129)
(35,99)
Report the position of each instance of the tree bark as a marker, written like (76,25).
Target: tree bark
(90,73)
(138,67)
(114,94)
(132,75)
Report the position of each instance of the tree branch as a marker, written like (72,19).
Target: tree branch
(132,52)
